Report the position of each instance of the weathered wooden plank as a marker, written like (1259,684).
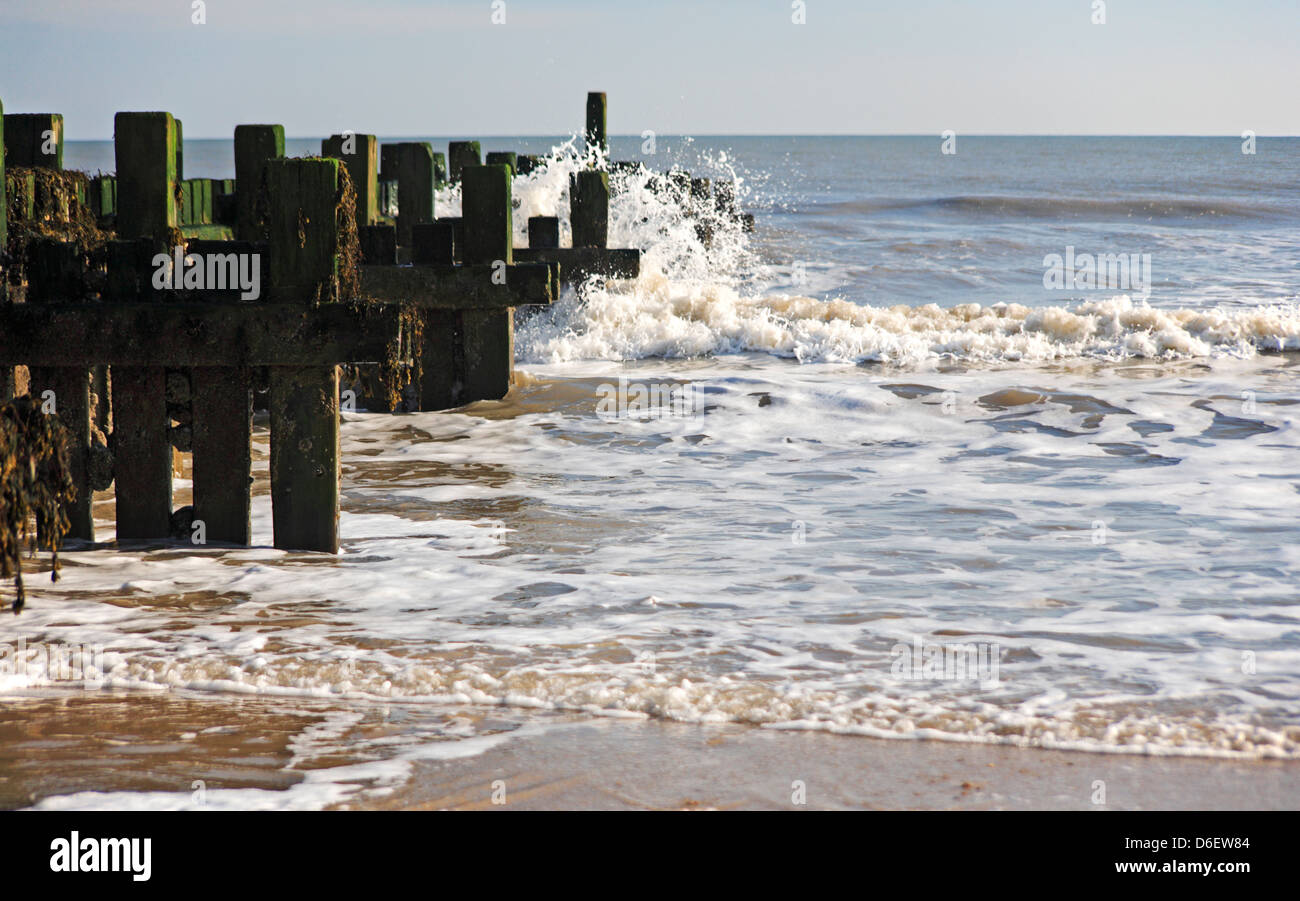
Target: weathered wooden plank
(180,150)
(145,147)
(485,207)
(304,401)
(103,195)
(457,238)
(488,336)
(442,363)
(211,232)
(196,202)
(223,461)
(388,162)
(303,236)
(434,242)
(459,155)
(360,153)
(462,287)
(596,109)
(589,208)
(304,406)
(379,244)
(415,187)
(142,453)
(254,146)
(576,263)
(34,140)
(504,158)
(543,233)
(196,334)
(488,341)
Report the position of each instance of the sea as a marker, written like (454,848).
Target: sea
(972,439)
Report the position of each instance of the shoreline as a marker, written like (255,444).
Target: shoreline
(657,765)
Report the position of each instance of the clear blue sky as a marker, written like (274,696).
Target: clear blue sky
(415,67)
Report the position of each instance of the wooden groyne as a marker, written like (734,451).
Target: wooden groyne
(142,309)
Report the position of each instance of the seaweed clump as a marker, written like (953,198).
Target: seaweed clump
(35,484)
(386,383)
(48,203)
(349,242)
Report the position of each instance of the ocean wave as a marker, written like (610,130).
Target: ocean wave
(659,317)
(1038,207)
(695,697)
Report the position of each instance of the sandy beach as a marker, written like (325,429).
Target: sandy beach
(621,765)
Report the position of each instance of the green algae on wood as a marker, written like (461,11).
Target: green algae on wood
(360,153)
(145,147)
(459,155)
(254,146)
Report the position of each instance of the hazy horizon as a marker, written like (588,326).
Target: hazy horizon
(402,67)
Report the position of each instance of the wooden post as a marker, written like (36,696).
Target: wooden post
(415,187)
(142,458)
(361,155)
(485,207)
(596,137)
(488,336)
(254,146)
(28,137)
(589,208)
(180,151)
(504,157)
(103,196)
(304,401)
(379,244)
(223,460)
(434,242)
(145,145)
(527,163)
(543,232)
(439,169)
(459,155)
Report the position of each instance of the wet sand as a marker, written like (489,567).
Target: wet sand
(150,750)
(649,765)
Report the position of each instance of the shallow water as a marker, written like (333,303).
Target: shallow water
(1092,494)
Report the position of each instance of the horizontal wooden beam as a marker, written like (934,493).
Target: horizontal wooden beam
(474,287)
(183,334)
(583,261)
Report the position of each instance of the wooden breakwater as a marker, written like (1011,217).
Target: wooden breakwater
(143,308)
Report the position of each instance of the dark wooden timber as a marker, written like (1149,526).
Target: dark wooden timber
(304,400)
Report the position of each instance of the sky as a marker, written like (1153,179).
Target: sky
(415,67)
